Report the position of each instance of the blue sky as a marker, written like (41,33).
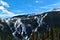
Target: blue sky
(28,6)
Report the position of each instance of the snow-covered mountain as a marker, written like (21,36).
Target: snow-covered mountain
(23,26)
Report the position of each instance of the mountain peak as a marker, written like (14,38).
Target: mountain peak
(56,9)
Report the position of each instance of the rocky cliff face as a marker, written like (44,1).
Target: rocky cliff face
(22,26)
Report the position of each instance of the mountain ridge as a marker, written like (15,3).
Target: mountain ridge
(23,26)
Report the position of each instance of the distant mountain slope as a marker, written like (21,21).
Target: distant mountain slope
(23,26)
